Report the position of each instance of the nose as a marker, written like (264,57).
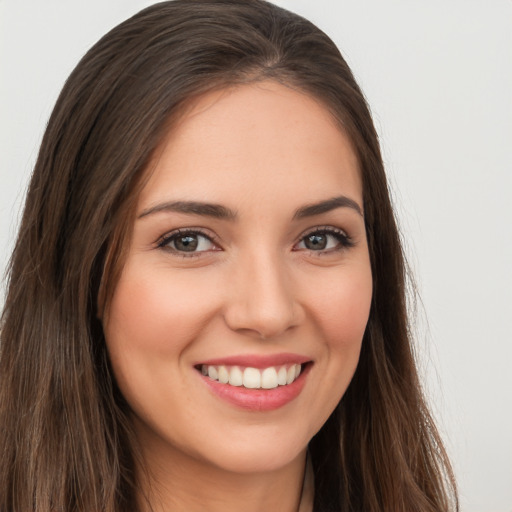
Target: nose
(261,298)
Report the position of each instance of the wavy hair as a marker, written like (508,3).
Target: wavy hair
(66,443)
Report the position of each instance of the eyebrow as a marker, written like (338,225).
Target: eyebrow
(326,206)
(216,211)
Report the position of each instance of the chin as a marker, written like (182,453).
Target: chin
(258,459)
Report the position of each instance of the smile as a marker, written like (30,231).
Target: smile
(256,383)
(253,378)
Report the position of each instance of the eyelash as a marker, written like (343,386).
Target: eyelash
(344,241)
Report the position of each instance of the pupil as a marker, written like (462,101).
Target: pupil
(186,243)
(316,242)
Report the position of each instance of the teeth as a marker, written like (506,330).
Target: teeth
(223,375)
(253,378)
(213,374)
(281,376)
(290,374)
(269,378)
(236,377)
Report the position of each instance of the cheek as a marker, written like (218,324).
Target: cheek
(157,309)
(342,308)
(154,317)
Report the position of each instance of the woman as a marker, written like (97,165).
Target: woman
(206,306)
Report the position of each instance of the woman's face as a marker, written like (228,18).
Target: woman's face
(248,261)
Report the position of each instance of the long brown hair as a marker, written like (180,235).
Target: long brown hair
(65,438)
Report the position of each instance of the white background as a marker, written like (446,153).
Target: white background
(438,77)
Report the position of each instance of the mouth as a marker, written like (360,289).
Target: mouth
(270,377)
(255,385)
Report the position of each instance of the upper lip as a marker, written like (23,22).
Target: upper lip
(257,360)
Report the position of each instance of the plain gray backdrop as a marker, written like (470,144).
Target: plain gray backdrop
(438,77)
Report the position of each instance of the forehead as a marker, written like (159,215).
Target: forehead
(263,138)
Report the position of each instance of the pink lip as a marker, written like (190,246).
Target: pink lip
(257,361)
(257,399)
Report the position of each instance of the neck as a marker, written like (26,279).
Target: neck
(176,482)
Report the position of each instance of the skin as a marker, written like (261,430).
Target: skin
(253,287)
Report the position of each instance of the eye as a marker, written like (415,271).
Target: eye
(187,242)
(325,240)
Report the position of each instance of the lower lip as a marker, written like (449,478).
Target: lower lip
(258,399)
